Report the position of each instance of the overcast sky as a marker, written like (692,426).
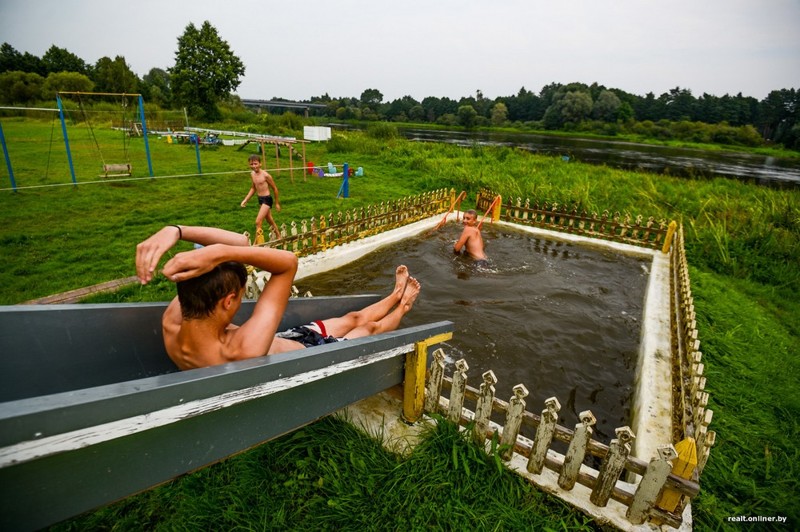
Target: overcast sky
(303,48)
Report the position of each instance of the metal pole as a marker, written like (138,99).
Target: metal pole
(144,132)
(8,160)
(66,139)
(197,152)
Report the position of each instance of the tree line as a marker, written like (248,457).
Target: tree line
(206,73)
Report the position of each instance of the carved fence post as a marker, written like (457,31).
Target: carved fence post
(651,484)
(576,450)
(434,388)
(516,408)
(683,466)
(544,435)
(483,410)
(457,392)
(612,466)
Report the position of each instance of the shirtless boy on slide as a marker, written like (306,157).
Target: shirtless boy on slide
(197,325)
(262,184)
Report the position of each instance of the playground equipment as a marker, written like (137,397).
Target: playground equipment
(120,169)
(96,411)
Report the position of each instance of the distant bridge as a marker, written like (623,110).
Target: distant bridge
(279,103)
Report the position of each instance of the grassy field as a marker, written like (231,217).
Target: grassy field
(742,243)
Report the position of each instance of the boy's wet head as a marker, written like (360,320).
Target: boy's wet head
(199,296)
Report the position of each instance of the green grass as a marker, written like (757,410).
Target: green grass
(741,243)
(331,476)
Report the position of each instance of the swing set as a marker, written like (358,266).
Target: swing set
(109,169)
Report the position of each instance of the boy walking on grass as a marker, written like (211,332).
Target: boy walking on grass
(262,185)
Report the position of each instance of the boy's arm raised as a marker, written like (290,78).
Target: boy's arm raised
(150,251)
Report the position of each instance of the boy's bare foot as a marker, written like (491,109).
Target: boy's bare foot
(410,295)
(401,279)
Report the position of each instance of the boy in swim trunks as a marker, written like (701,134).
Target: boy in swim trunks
(471,239)
(197,325)
(262,184)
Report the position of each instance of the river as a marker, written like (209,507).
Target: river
(761,169)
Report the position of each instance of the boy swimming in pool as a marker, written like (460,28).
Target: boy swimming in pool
(471,239)
(197,325)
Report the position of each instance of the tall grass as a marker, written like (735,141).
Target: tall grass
(742,244)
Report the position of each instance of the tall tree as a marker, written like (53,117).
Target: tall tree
(371,98)
(65,82)
(17,87)
(467,116)
(114,76)
(206,71)
(606,106)
(57,59)
(499,114)
(157,85)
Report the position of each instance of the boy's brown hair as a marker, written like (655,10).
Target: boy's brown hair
(199,295)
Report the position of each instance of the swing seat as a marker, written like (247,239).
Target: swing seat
(119,170)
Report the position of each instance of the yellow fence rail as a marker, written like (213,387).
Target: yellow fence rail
(324,232)
(623,228)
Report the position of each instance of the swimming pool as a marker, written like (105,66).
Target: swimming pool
(561,318)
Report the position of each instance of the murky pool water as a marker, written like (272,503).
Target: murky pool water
(562,319)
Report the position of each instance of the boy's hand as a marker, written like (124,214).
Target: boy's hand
(150,251)
(190,264)
(277,206)
(243,204)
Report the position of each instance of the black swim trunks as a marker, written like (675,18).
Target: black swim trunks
(265,200)
(309,335)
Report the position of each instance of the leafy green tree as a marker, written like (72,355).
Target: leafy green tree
(467,116)
(10,59)
(156,84)
(57,59)
(371,98)
(20,87)
(499,114)
(436,107)
(416,113)
(525,106)
(606,106)
(679,104)
(570,105)
(205,72)
(401,106)
(114,76)
(65,82)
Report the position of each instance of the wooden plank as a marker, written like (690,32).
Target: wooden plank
(576,451)
(513,422)
(483,408)
(544,435)
(434,387)
(414,381)
(457,391)
(651,484)
(612,466)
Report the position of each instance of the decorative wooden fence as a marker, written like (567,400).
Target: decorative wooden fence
(691,418)
(641,502)
(618,228)
(318,234)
